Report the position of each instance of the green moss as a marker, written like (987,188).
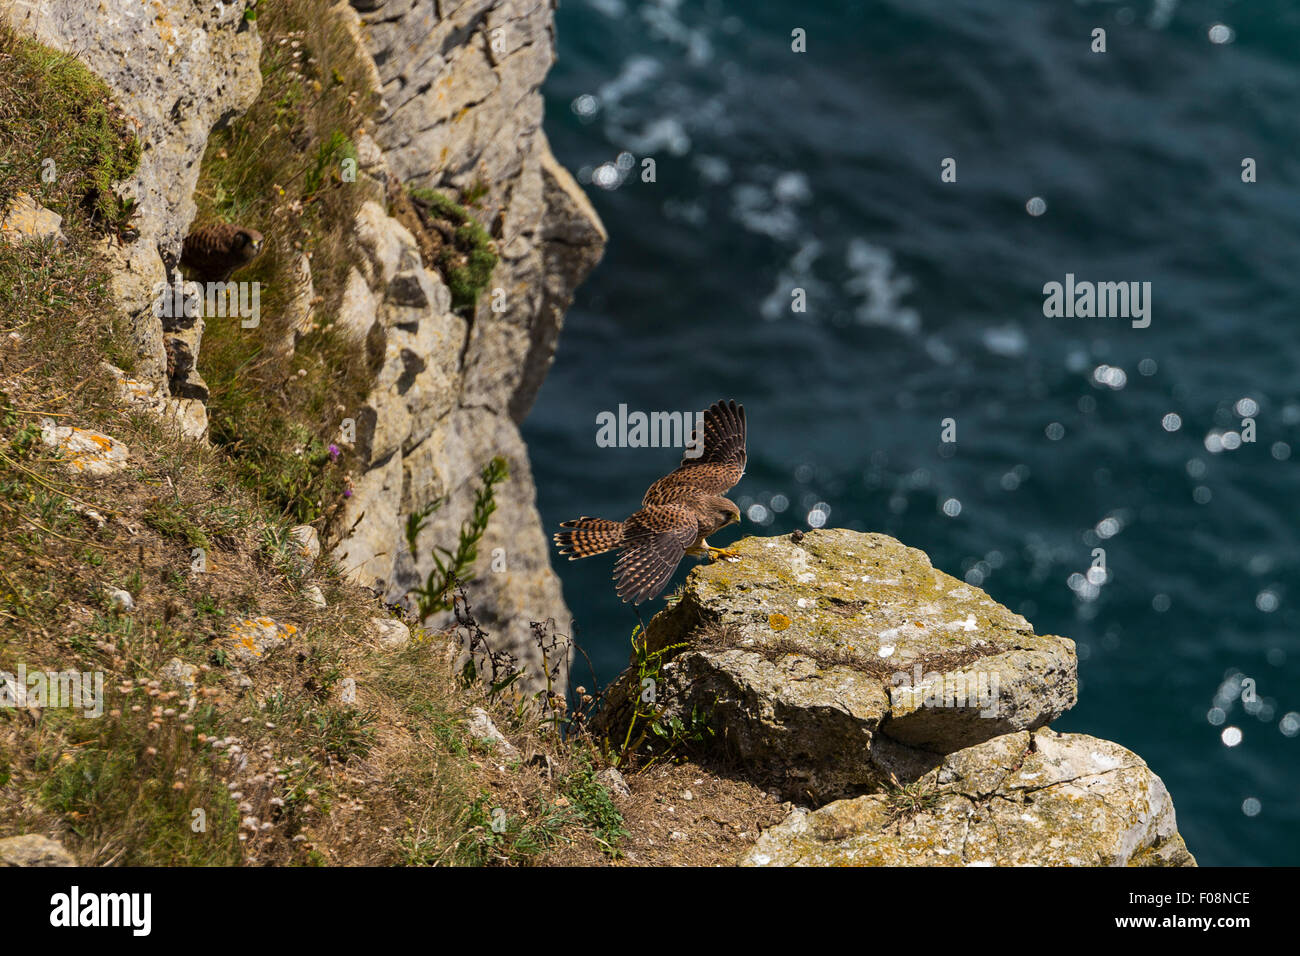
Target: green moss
(62,138)
(467,263)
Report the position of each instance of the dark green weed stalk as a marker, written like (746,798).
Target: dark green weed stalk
(435,594)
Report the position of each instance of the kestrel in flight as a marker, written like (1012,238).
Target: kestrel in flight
(677,513)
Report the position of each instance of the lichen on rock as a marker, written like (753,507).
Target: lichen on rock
(1026,799)
(827,661)
(904,713)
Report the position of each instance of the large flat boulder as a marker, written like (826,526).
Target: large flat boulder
(1025,799)
(830,662)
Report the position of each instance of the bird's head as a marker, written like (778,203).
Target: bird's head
(249,241)
(725,511)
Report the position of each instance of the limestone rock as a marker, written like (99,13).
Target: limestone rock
(300,309)
(190,415)
(119,600)
(348,692)
(303,547)
(251,639)
(573,240)
(136,276)
(384,244)
(614,782)
(359,308)
(391,632)
(419,443)
(85,451)
(177,68)
(32,849)
(461,82)
(1024,799)
(828,663)
(26,220)
(134,391)
(375,526)
(481,729)
(182,346)
(180,673)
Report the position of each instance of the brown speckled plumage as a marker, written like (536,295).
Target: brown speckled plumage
(679,511)
(211,253)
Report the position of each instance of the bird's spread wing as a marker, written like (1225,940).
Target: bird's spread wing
(718,468)
(655,540)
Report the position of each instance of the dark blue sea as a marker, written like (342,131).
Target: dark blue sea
(821,171)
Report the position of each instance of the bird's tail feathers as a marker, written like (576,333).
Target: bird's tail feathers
(589,536)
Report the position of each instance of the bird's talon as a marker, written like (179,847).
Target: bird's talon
(728,553)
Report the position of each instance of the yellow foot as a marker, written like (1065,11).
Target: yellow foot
(728,553)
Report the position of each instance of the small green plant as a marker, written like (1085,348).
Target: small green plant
(649,716)
(342,732)
(329,155)
(467,256)
(477,190)
(435,594)
(594,806)
(905,801)
(206,606)
(170,519)
(490,835)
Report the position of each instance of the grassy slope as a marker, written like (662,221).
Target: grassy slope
(395,779)
(277,169)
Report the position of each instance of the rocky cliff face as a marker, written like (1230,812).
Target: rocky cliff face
(461,111)
(178,68)
(903,712)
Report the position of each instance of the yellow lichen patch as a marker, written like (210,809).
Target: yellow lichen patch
(84,450)
(251,639)
(778,622)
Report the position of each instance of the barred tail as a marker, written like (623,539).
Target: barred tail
(589,536)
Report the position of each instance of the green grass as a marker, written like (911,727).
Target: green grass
(594,805)
(122,789)
(62,138)
(278,168)
(129,784)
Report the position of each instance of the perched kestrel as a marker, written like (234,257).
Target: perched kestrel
(211,253)
(677,513)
